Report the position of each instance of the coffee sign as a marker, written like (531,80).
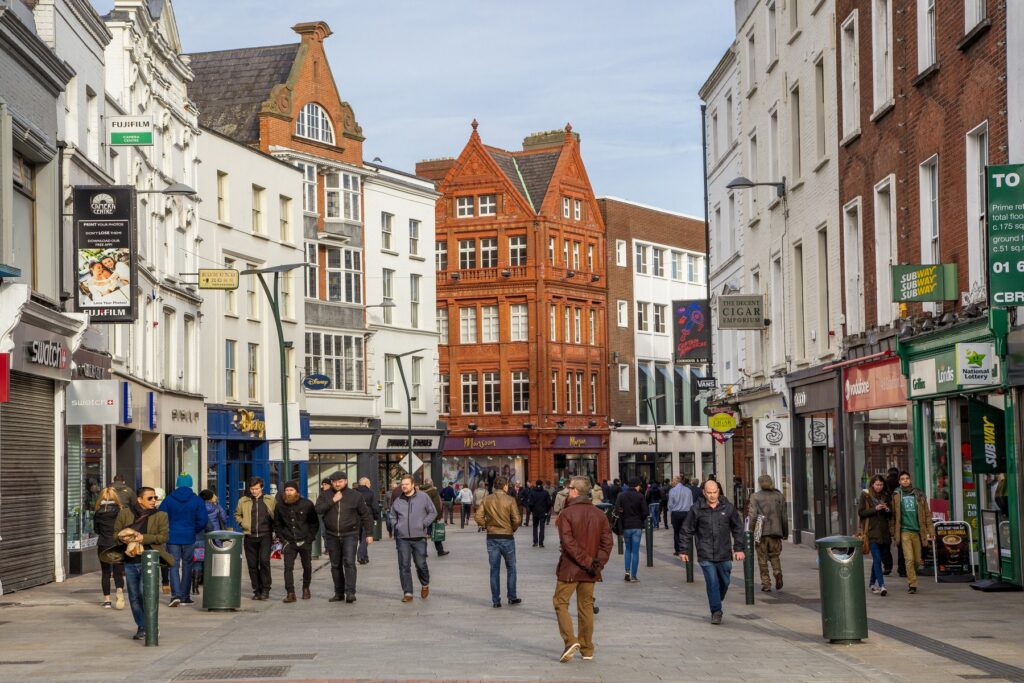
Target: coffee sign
(953,549)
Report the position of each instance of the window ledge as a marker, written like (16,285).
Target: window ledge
(231,314)
(388,251)
(224,224)
(930,70)
(972,36)
(884,109)
(850,137)
(793,37)
(821,164)
(416,257)
(796,185)
(771,65)
(752,90)
(754,222)
(775,202)
(261,235)
(253,320)
(817,6)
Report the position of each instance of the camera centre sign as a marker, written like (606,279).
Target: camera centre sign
(1004,235)
(130,131)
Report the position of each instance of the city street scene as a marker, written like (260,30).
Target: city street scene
(723,381)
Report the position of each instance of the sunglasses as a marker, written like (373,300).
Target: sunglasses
(150,498)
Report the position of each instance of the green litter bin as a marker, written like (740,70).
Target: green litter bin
(222,571)
(844,614)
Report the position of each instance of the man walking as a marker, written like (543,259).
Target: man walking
(255,514)
(561,497)
(373,505)
(523,498)
(709,523)
(297,525)
(186,515)
(126,495)
(653,500)
(346,520)
(499,514)
(586,546)
(448,501)
(769,504)
(411,515)
(540,506)
(465,503)
(912,525)
(680,500)
(634,512)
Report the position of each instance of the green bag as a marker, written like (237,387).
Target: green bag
(437,532)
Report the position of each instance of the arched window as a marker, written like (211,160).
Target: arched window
(313,123)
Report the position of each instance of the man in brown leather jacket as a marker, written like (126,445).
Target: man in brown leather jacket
(586,546)
(499,514)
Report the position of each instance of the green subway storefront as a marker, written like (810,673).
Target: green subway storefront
(963,435)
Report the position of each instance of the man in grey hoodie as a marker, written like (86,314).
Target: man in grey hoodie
(411,515)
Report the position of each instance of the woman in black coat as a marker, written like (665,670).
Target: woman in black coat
(107,509)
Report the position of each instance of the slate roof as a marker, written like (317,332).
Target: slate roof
(529,173)
(230,86)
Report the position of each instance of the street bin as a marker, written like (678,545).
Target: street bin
(222,571)
(844,615)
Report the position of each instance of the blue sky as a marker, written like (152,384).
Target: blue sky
(625,74)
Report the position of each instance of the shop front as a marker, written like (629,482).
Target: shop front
(349,452)
(636,453)
(818,492)
(184,429)
(760,444)
(477,460)
(576,455)
(138,451)
(390,447)
(963,445)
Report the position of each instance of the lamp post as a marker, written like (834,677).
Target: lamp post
(654,416)
(408,400)
(743,183)
(275,308)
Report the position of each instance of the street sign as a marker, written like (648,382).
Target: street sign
(1005,235)
(411,463)
(218,278)
(741,312)
(131,131)
(705,383)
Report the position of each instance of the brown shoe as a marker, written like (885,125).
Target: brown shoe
(289,598)
(306,595)
(407,597)
(778,582)
(424,592)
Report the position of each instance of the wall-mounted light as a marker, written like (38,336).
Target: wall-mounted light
(506,273)
(560,423)
(456,276)
(472,426)
(595,277)
(592,423)
(614,424)
(527,425)
(570,273)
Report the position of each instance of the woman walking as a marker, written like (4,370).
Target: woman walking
(107,508)
(875,515)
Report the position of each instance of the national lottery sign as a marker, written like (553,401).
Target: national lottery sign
(105,252)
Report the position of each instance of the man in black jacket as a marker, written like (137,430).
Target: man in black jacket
(297,524)
(710,523)
(370,498)
(634,512)
(540,506)
(345,517)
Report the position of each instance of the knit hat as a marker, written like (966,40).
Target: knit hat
(290,485)
(339,475)
(184,480)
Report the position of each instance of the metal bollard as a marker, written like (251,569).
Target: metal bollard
(151,596)
(462,517)
(748,568)
(620,543)
(649,532)
(689,563)
(378,527)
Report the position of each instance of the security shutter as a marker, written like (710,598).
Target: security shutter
(26,483)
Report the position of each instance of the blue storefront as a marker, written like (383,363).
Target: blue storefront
(237,449)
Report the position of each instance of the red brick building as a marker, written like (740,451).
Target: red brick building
(521,308)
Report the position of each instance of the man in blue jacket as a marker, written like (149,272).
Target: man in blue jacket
(186,515)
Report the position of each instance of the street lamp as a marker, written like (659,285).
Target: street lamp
(408,397)
(275,308)
(654,416)
(742,183)
(173,190)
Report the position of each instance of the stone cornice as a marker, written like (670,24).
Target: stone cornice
(31,52)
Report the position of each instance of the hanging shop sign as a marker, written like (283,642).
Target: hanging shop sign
(93,402)
(316,382)
(691,327)
(722,422)
(741,312)
(987,428)
(130,131)
(105,252)
(706,383)
(218,278)
(773,432)
(953,551)
(930,282)
(975,364)
(868,387)
(41,352)
(940,374)
(1005,235)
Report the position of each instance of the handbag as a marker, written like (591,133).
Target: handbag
(437,532)
(863,535)
(615,521)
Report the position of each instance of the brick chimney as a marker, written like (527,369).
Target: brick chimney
(547,138)
(434,169)
(313,30)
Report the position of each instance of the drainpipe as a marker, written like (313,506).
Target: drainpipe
(707,259)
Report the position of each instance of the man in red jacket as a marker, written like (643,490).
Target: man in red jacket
(586,546)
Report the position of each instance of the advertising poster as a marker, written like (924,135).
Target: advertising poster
(691,329)
(105,253)
(953,552)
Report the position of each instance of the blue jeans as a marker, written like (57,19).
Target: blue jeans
(181,583)
(133,581)
(716,581)
(654,507)
(631,537)
(412,550)
(498,548)
(877,576)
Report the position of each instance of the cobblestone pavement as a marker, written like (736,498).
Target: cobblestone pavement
(655,630)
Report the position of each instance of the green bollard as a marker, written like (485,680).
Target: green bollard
(748,568)
(151,595)
(689,563)
(649,532)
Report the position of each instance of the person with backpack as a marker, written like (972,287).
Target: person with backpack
(186,515)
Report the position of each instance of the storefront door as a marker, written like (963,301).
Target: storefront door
(822,483)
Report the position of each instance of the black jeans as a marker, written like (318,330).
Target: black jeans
(107,569)
(289,552)
(257,557)
(342,550)
(439,547)
(664,512)
(677,524)
(538,528)
(525,512)
(466,512)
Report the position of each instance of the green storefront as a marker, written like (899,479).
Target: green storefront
(957,385)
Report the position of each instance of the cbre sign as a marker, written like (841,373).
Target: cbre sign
(1005,235)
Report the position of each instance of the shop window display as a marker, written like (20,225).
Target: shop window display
(476,470)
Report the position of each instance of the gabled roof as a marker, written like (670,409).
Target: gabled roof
(231,86)
(529,172)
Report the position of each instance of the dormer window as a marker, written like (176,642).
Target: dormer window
(314,124)
(488,204)
(464,207)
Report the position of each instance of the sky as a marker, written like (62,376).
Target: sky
(625,74)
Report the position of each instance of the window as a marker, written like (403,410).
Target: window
(622,313)
(415,381)
(623,377)
(885,248)
(441,255)
(590,257)
(492,393)
(659,318)
(287,310)
(593,393)
(488,204)
(520,322)
(824,316)
(553,322)
(757,336)
(414,237)
(773,33)
(386,220)
(565,252)
(751,62)
(577,209)
(252,300)
(551,250)
(388,293)
(752,171)
(314,124)
(592,316)
(881,52)
(470,399)
(230,300)
(794,16)
(517,250)
(339,356)
(566,207)
(773,143)
(579,393)
(794,133)
(566,324)
(577,321)
(464,207)
(257,210)
(520,391)
(467,254)
(222,197)
(730,229)
(730,133)
(254,372)
(92,123)
(345,275)
(229,369)
(799,314)
(441,318)
(974,13)
(308,186)
(576,255)
(342,192)
(489,327)
(715,153)
(554,391)
(850,76)
(489,252)
(568,392)
(977,159)
(819,109)
(312,271)
(930,211)
(642,316)
(925,34)
(389,380)
(187,352)
(414,301)
(467,325)
(658,262)
(853,268)
(691,268)
(777,308)
(444,386)
(620,253)
(168,346)
(641,258)
(284,207)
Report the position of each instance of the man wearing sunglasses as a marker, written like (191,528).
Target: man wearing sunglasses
(151,529)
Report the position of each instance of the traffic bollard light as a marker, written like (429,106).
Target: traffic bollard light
(748,567)
(151,596)
(689,563)
(649,531)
